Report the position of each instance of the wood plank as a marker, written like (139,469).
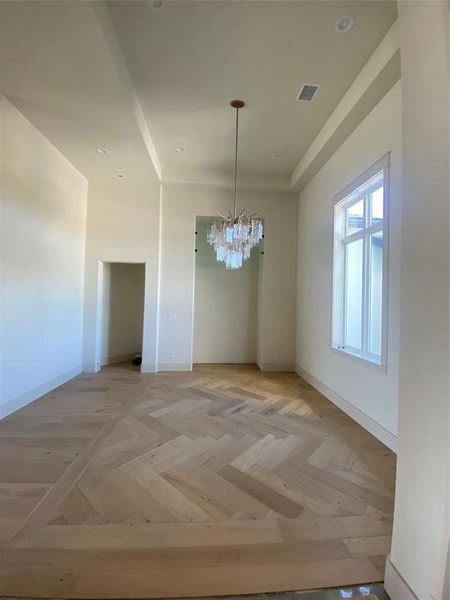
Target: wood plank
(97,537)
(265,494)
(242,579)
(370,546)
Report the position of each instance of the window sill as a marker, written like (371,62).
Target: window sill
(358,359)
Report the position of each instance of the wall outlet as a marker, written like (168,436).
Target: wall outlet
(172,355)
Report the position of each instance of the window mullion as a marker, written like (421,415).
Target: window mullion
(344,279)
(353,236)
(344,298)
(365,278)
(374,228)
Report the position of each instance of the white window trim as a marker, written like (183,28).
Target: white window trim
(338,324)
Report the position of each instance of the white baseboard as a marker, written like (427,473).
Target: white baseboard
(385,436)
(114,360)
(395,585)
(91,368)
(19,402)
(149,368)
(173,366)
(277,367)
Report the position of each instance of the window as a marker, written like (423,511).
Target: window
(360,266)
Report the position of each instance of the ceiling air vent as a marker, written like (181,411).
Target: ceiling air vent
(307,92)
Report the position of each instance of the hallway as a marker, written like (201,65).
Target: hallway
(223,481)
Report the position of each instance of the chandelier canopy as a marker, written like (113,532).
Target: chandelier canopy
(234,236)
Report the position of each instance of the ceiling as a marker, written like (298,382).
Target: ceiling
(57,69)
(183,64)
(188,60)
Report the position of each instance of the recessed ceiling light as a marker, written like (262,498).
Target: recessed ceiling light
(101,150)
(179,148)
(157,4)
(120,175)
(344,24)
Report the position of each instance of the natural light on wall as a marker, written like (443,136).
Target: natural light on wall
(360,266)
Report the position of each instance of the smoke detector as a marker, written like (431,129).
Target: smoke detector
(308,91)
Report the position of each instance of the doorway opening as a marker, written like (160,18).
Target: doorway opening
(226,305)
(122,313)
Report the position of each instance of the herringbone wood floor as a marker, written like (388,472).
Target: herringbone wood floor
(220,481)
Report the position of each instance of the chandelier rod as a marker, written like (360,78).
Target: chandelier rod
(236,162)
(236,104)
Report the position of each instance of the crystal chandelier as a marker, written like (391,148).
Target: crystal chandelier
(234,236)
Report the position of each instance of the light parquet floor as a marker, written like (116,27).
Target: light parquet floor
(220,481)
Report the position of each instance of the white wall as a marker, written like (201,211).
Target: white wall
(225,305)
(123,224)
(123,311)
(422,505)
(276,306)
(43,217)
(368,395)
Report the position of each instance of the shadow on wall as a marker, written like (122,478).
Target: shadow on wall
(122,311)
(446,590)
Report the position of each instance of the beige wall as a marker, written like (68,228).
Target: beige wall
(140,225)
(43,220)
(367,394)
(122,226)
(276,296)
(226,304)
(422,505)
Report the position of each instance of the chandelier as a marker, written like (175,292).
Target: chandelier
(234,236)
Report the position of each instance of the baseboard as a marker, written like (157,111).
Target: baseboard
(173,366)
(395,585)
(91,367)
(114,360)
(149,368)
(20,401)
(277,367)
(385,436)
